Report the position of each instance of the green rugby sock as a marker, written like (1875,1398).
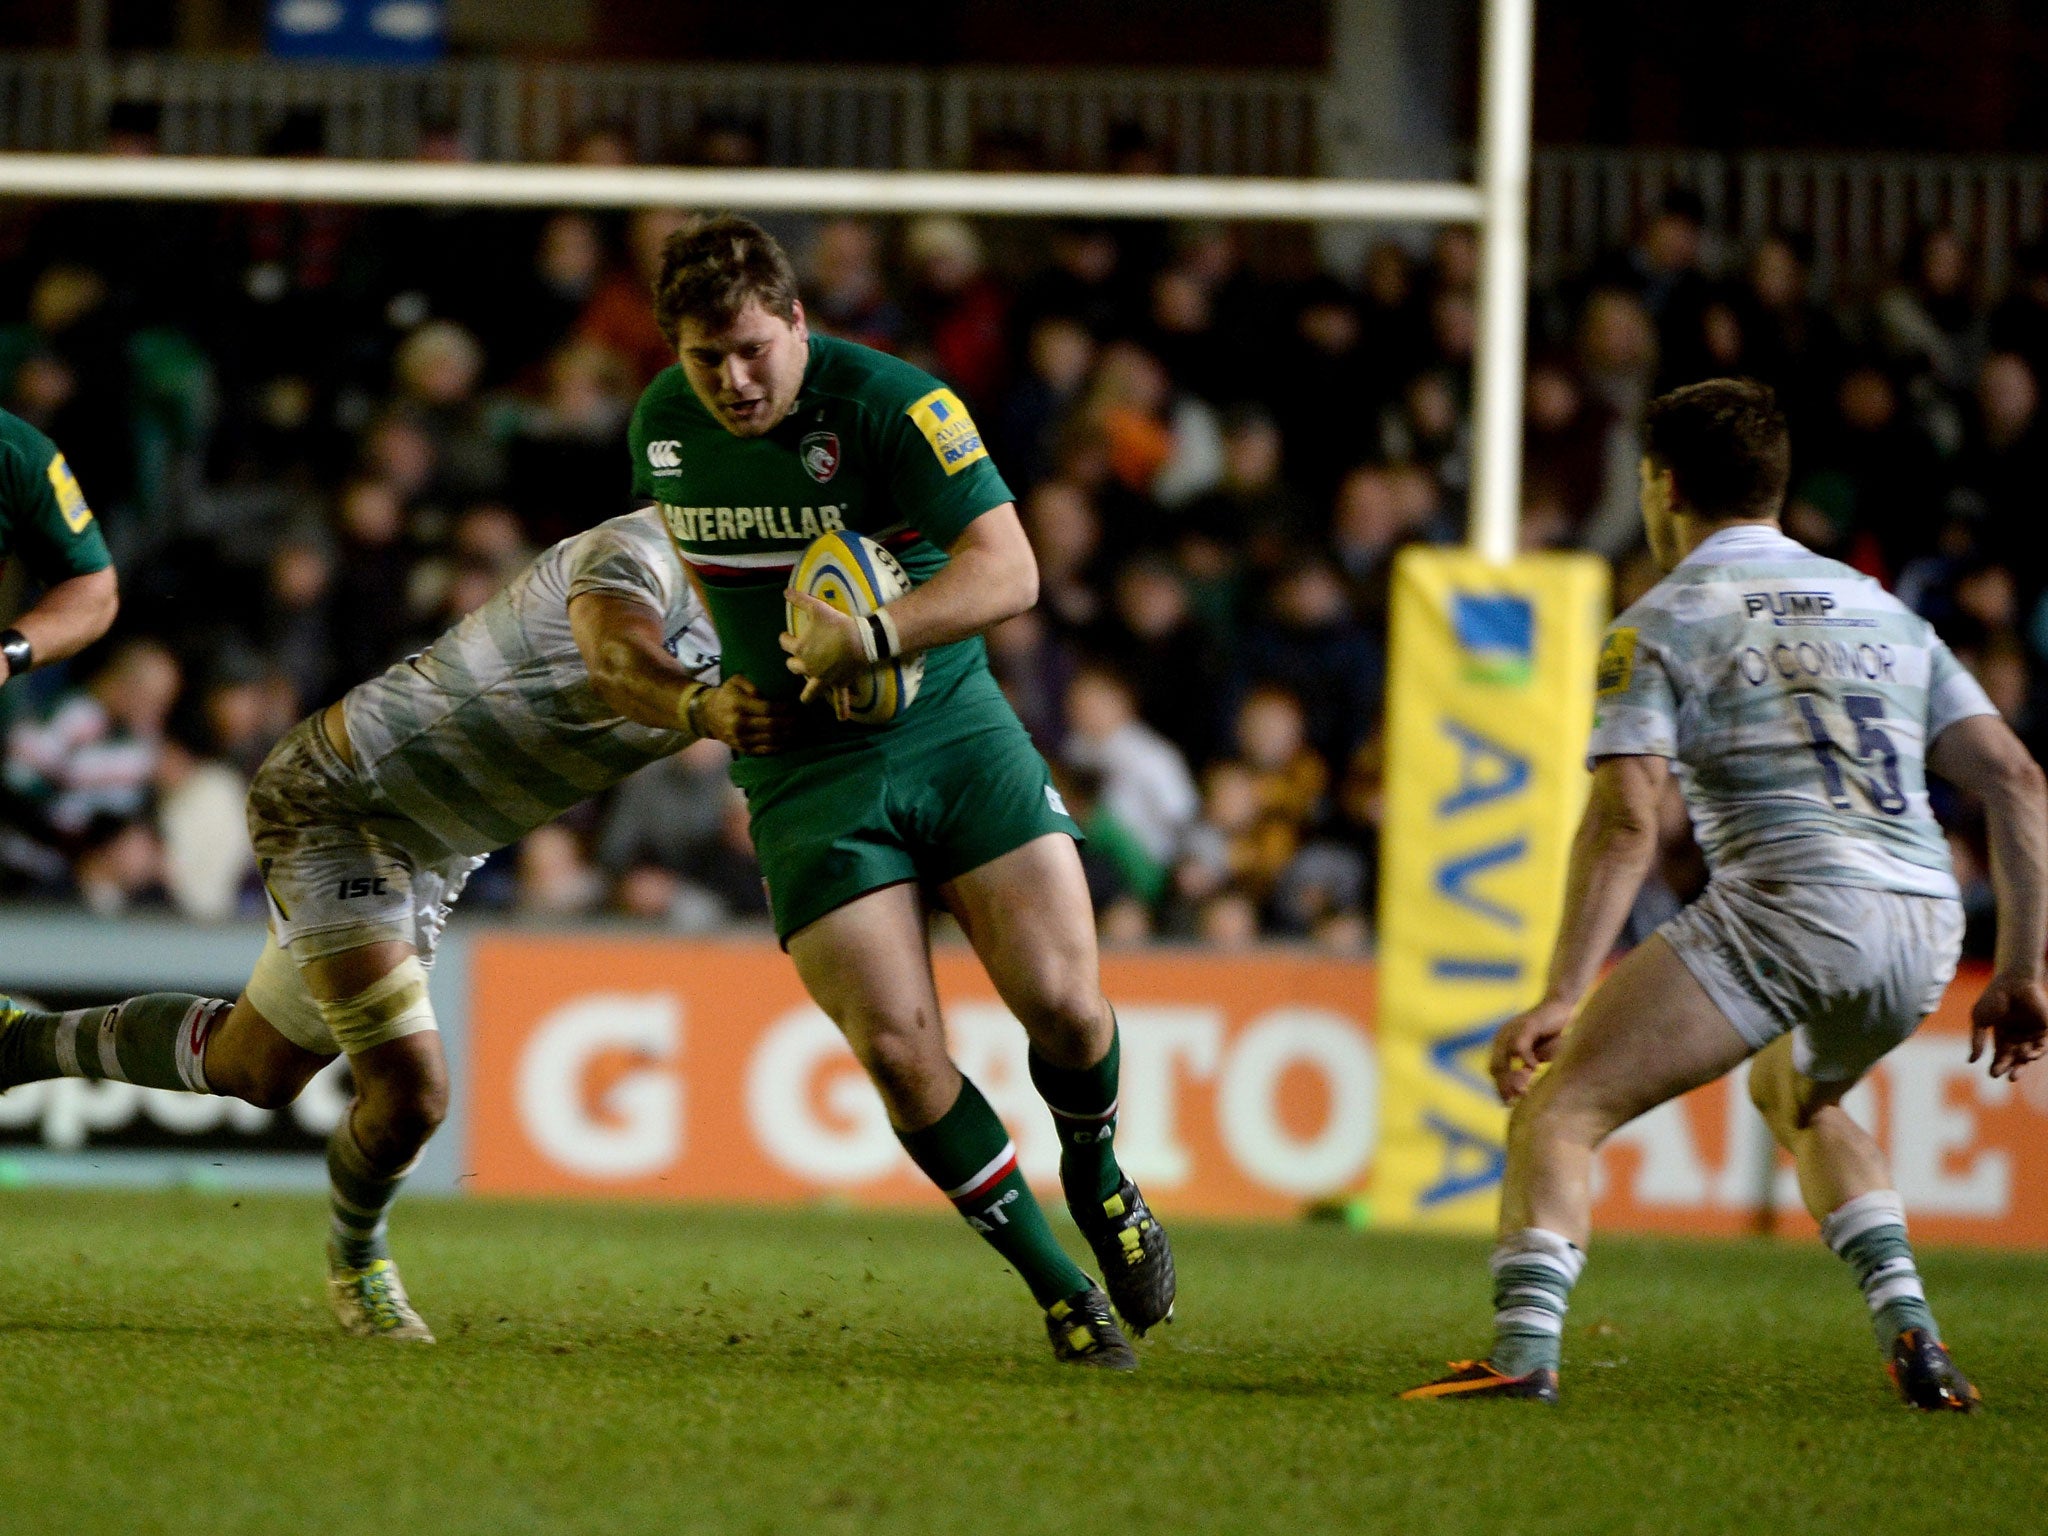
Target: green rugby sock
(157,1040)
(968,1154)
(1533,1275)
(359,1196)
(1083,1102)
(1869,1233)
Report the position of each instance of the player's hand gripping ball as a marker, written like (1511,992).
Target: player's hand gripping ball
(853,574)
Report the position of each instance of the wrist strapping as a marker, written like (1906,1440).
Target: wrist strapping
(879,639)
(691,709)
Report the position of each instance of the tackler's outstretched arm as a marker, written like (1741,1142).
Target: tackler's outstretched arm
(630,667)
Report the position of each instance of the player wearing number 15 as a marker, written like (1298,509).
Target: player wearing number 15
(765,437)
(1799,705)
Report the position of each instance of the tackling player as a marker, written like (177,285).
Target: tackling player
(763,438)
(44,519)
(1798,703)
(367,819)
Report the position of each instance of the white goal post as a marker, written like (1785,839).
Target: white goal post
(1497,206)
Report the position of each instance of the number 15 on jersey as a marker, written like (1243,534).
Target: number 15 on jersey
(1873,751)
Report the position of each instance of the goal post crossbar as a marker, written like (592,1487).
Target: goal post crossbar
(835,191)
(1497,206)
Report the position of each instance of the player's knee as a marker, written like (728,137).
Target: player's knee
(395,1120)
(420,1113)
(1068,1018)
(1560,1109)
(241,1064)
(900,1055)
(273,1085)
(1772,1088)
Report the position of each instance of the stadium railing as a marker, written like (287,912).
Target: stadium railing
(1861,210)
(1239,123)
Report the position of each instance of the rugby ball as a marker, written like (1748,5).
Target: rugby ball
(856,575)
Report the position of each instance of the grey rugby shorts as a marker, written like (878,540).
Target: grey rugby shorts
(1849,971)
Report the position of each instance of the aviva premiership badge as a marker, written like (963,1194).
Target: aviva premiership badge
(948,428)
(1617,663)
(820,454)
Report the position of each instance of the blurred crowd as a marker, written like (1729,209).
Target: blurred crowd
(318,435)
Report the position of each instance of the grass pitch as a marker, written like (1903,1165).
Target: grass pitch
(166,1365)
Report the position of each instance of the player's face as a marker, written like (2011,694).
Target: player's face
(1659,524)
(747,374)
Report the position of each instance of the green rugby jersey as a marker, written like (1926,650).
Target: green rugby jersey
(872,444)
(1797,699)
(44,518)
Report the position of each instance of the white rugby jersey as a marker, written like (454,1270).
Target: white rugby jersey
(1797,699)
(495,729)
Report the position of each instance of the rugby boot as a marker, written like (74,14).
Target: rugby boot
(1481,1378)
(1927,1378)
(1083,1333)
(371,1302)
(1136,1259)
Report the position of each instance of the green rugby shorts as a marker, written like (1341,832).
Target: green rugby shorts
(925,804)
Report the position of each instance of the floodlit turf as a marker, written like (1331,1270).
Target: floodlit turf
(166,1365)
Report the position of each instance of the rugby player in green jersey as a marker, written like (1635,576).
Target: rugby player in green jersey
(45,522)
(764,437)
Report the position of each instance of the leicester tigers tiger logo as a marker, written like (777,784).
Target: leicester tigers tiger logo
(820,454)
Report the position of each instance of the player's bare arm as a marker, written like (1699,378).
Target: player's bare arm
(630,667)
(71,615)
(1982,757)
(1616,844)
(993,576)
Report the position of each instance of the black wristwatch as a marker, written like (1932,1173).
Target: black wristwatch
(19,653)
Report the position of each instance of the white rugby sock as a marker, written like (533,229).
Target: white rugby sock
(1533,1274)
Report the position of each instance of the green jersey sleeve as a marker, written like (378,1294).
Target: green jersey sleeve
(938,470)
(44,517)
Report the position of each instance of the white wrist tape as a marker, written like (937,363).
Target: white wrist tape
(887,623)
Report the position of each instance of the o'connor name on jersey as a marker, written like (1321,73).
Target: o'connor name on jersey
(705,525)
(1873,661)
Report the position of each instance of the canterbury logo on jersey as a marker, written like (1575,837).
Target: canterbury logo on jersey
(665,457)
(709,525)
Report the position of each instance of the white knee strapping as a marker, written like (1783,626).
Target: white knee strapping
(278,992)
(388,1009)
